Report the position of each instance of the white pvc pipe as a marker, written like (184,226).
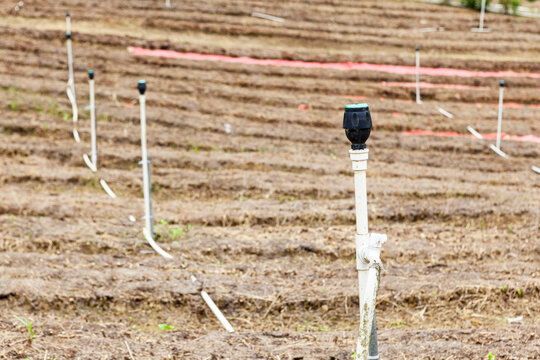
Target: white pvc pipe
(168,3)
(536,169)
(146,180)
(71,80)
(445,113)
(73,102)
(154,245)
(68,23)
(212,305)
(418,100)
(107,189)
(89,163)
(474,132)
(368,311)
(76,135)
(208,300)
(498,151)
(499,119)
(482,13)
(93,152)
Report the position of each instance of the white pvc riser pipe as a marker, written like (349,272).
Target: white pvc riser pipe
(71,80)
(418,99)
(499,118)
(482,14)
(368,248)
(93,153)
(146,180)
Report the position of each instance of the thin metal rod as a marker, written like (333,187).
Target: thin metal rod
(499,120)
(93,153)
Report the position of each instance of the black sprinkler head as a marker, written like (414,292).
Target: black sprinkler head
(141,86)
(68,35)
(502,83)
(67,13)
(417,48)
(91,74)
(357,125)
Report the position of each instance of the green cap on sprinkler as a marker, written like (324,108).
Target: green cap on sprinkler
(68,35)
(502,83)
(357,125)
(141,86)
(67,13)
(417,48)
(91,74)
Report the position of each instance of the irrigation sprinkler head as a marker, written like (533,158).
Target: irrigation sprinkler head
(417,48)
(357,125)
(141,86)
(91,74)
(501,83)
(67,13)
(68,35)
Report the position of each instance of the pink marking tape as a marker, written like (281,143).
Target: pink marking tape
(523,138)
(394,69)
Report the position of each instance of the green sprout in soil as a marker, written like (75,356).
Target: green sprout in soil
(491,356)
(13,105)
(400,324)
(165,327)
(172,233)
(28,325)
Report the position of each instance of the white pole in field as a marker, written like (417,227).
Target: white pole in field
(499,119)
(482,14)
(93,154)
(145,162)
(71,80)
(418,100)
(168,3)
(357,125)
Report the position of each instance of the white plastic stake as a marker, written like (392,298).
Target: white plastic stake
(418,100)
(93,152)
(536,169)
(499,120)
(498,151)
(475,133)
(168,3)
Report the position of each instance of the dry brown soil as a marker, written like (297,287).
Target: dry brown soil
(264,216)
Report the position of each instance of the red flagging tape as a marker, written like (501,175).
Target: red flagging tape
(394,69)
(426,85)
(523,138)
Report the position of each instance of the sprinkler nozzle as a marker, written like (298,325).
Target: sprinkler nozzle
(141,86)
(67,13)
(68,35)
(91,74)
(357,125)
(502,83)
(417,48)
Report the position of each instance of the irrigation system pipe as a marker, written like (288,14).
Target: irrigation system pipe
(93,152)
(357,124)
(418,100)
(497,148)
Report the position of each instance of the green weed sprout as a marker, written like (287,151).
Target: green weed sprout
(165,327)
(28,325)
(491,356)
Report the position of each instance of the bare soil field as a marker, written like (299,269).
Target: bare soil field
(264,216)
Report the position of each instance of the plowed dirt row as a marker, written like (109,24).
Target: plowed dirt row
(264,216)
